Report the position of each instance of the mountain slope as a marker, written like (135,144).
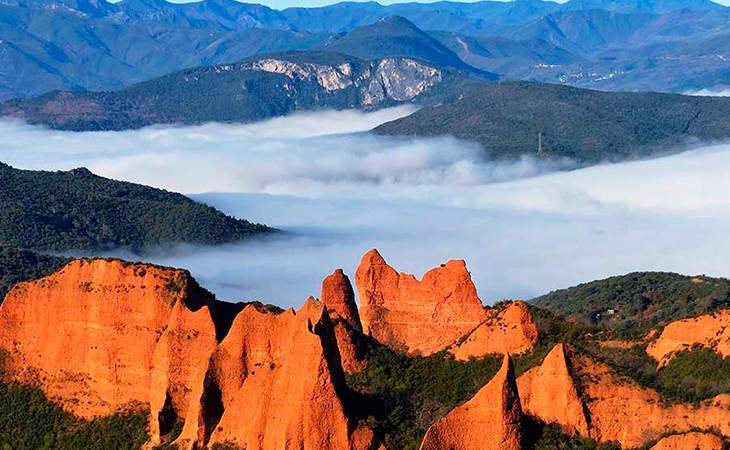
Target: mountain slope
(501,55)
(76,210)
(95,45)
(395,36)
(643,6)
(587,126)
(254,89)
(468,18)
(582,32)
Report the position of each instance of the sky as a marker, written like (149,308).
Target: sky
(523,228)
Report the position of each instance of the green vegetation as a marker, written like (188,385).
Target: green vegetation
(692,376)
(405,395)
(634,303)
(77,210)
(402,396)
(695,375)
(586,126)
(29,421)
(552,437)
(18,265)
(228,93)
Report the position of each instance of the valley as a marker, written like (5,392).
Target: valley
(490,225)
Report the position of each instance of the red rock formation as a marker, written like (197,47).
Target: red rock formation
(339,298)
(618,409)
(491,420)
(99,335)
(273,384)
(88,333)
(510,330)
(689,441)
(711,331)
(418,317)
(351,356)
(549,393)
(179,362)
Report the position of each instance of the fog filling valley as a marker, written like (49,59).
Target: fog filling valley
(523,227)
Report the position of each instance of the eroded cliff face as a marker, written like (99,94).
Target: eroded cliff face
(273,384)
(441,310)
(417,317)
(711,331)
(339,299)
(689,441)
(510,330)
(376,82)
(100,335)
(89,333)
(549,392)
(615,408)
(491,420)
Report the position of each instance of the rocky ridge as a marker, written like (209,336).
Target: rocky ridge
(253,89)
(491,420)
(589,398)
(114,333)
(99,335)
(710,331)
(426,316)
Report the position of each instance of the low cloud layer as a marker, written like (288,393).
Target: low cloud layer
(710,92)
(523,228)
(311,155)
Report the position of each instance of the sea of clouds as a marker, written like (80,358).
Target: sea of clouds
(523,227)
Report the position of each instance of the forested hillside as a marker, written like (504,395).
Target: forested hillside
(641,300)
(77,210)
(584,125)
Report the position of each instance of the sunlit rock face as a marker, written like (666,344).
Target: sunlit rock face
(417,316)
(90,333)
(440,311)
(339,299)
(491,420)
(274,383)
(590,399)
(689,441)
(102,335)
(399,79)
(710,331)
(509,330)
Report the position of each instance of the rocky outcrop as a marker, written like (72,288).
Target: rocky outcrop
(376,81)
(711,331)
(417,317)
(615,408)
(689,441)
(273,384)
(399,79)
(549,392)
(339,298)
(330,77)
(491,420)
(89,333)
(510,330)
(100,335)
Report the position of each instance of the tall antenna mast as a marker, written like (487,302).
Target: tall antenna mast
(539,143)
